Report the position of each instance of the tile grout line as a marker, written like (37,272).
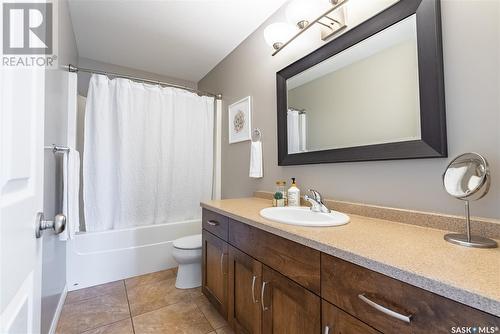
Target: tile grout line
(204,316)
(191,300)
(146,284)
(203,313)
(129,309)
(88,298)
(160,307)
(104,325)
(213,329)
(76,304)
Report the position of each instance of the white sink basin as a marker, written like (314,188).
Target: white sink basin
(303,216)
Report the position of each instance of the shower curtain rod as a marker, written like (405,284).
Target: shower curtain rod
(75,69)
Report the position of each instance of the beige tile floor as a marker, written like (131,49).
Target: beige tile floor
(147,304)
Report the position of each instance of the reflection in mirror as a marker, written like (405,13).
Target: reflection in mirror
(465,176)
(367,94)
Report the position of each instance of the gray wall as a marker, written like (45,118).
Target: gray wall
(84,78)
(471,60)
(53,250)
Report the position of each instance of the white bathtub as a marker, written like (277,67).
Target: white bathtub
(100,257)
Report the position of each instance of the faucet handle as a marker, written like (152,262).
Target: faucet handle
(317,195)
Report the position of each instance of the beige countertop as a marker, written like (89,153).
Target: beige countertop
(413,254)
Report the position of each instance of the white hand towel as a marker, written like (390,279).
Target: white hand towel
(71,187)
(256,159)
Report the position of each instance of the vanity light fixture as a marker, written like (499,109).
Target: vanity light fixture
(277,34)
(303,14)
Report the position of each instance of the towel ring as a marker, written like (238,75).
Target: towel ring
(256,135)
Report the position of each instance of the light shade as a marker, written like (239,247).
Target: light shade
(277,34)
(300,11)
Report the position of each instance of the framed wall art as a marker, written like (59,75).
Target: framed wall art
(240,120)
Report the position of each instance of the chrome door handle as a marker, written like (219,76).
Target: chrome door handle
(327,330)
(253,289)
(264,307)
(391,313)
(58,224)
(212,222)
(222,262)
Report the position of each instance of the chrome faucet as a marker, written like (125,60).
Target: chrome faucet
(316,202)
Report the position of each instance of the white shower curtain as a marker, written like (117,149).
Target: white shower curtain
(148,156)
(296,131)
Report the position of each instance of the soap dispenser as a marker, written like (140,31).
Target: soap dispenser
(293,194)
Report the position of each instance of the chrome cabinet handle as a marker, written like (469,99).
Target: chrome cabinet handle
(212,222)
(253,289)
(222,263)
(264,307)
(391,313)
(327,330)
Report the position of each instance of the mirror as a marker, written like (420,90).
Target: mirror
(360,89)
(374,93)
(467,177)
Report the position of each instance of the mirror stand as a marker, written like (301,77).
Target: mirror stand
(468,240)
(467,177)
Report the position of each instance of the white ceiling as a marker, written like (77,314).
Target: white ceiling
(184,39)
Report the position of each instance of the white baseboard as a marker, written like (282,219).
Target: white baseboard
(57,313)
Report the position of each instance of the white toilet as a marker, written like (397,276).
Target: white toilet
(187,253)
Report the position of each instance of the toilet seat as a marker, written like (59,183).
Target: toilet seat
(189,242)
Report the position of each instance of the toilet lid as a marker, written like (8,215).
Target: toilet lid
(189,242)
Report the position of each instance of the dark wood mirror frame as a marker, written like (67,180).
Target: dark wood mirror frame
(431,86)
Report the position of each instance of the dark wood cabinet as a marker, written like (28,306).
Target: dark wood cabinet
(214,271)
(392,306)
(295,261)
(336,321)
(263,283)
(288,307)
(215,223)
(245,279)
(261,300)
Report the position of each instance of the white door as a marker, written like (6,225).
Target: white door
(21,191)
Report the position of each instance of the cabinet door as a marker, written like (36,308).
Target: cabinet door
(215,253)
(245,277)
(336,321)
(287,307)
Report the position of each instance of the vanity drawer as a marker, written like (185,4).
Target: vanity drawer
(371,297)
(336,321)
(215,223)
(297,262)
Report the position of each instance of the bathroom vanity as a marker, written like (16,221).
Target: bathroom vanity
(267,277)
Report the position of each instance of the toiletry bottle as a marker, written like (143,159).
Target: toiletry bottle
(281,187)
(293,194)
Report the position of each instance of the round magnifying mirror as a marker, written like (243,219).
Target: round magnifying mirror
(467,177)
